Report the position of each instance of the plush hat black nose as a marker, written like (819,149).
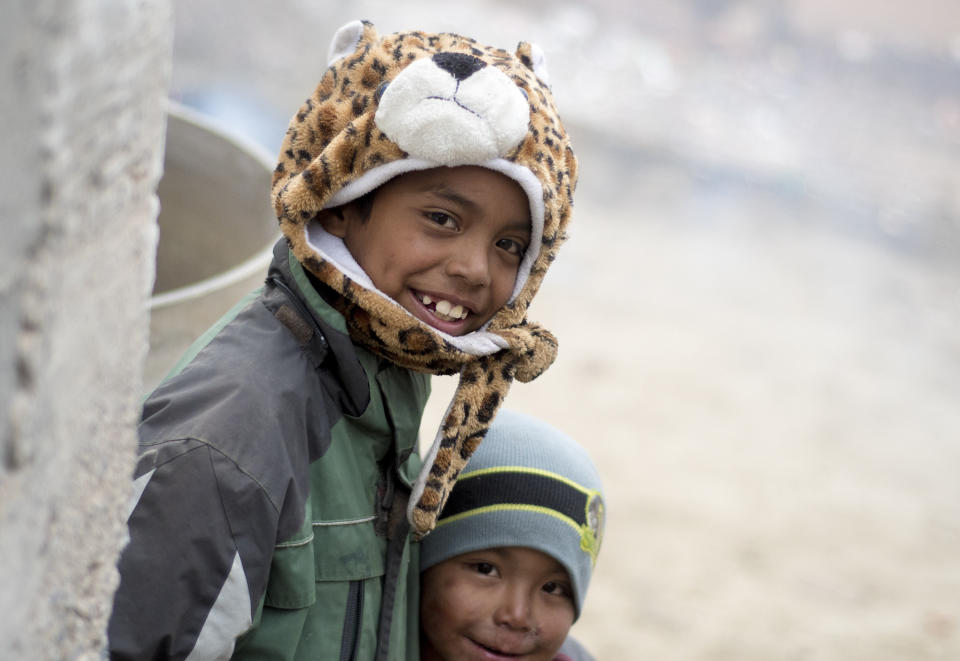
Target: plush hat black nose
(460,65)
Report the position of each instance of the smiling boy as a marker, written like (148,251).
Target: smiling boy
(505,572)
(422,191)
(444,243)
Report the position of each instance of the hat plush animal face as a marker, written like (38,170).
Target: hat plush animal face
(411,101)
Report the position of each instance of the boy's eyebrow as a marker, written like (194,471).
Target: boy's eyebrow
(444,191)
(520,226)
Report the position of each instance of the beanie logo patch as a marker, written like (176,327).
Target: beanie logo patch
(591,533)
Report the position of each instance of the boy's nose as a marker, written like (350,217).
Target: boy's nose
(459,65)
(471,263)
(515,611)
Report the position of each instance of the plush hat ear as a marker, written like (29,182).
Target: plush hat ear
(346,40)
(535,60)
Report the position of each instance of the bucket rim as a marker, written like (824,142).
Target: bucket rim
(251,265)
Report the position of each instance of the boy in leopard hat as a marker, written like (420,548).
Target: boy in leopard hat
(422,191)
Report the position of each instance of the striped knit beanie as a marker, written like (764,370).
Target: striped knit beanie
(527,485)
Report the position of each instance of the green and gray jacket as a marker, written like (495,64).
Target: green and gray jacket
(267,520)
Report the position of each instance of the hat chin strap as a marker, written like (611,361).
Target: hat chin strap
(465,423)
(483,385)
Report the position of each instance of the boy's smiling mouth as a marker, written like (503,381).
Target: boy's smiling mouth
(443,309)
(495,653)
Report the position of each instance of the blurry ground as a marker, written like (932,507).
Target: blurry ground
(759,307)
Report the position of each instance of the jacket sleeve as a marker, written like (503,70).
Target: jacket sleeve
(201,534)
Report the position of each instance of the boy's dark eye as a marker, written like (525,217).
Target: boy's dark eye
(512,246)
(558,589)
(484,568)
(442,219)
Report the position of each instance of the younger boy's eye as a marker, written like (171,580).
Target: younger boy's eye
(484,568)
(558,589)
(512,246)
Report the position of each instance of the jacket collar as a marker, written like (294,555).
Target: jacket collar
(320,330)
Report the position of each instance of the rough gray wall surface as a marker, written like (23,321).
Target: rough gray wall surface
(82,88)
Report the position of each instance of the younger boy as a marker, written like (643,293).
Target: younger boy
(422,191)
(505,572)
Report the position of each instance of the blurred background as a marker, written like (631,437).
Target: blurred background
(758,308)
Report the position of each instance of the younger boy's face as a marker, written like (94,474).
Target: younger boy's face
(501,603)
(444,243)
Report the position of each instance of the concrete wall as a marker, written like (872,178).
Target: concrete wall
(82,84)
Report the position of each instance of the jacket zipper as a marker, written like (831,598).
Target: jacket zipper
(350,641)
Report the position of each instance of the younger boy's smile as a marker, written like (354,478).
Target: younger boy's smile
(494,605)
(444,243)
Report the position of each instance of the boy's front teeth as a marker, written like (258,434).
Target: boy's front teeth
(445,309)
(450,311)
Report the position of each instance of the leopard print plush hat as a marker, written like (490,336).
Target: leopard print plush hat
(409,101)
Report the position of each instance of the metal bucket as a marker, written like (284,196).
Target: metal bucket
(217,230)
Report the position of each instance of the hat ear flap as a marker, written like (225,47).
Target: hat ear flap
(535,60)
(348,38)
